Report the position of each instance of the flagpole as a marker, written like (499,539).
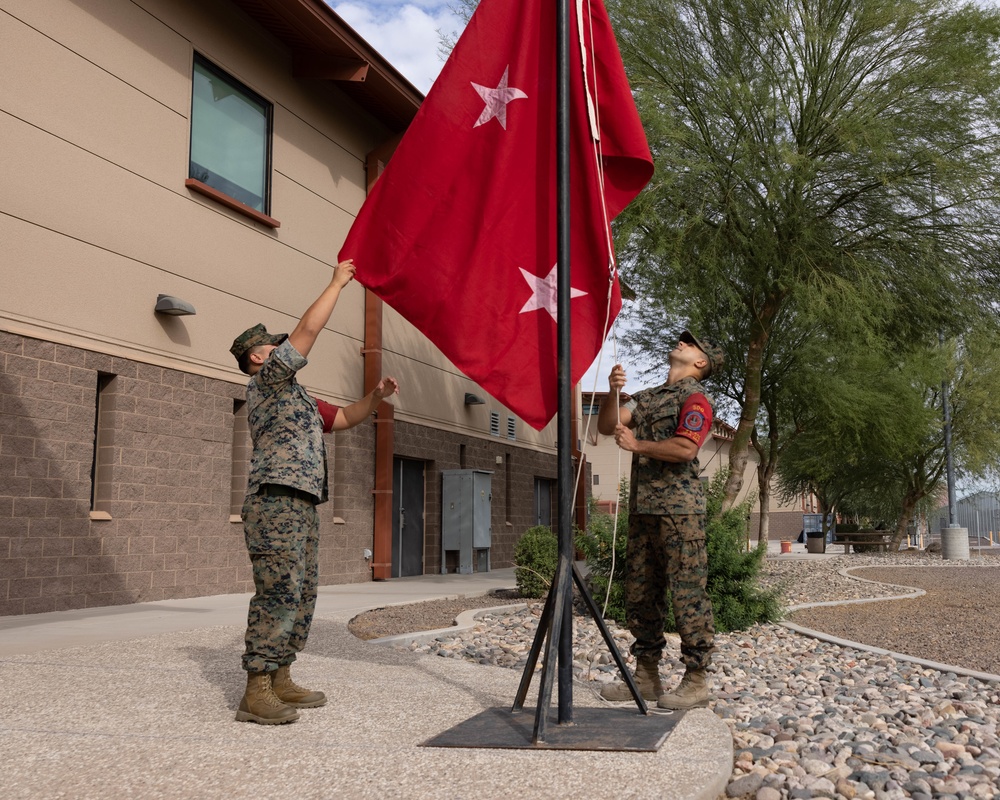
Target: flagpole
(565,361)
(559,641)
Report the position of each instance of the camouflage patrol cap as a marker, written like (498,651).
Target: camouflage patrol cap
(253,337)
(712,351)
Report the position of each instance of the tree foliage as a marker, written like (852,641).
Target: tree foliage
(876,446)
(815,161)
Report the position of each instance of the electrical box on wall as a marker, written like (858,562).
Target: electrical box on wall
(466,528)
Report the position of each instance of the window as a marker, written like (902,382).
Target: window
(230,139)
(508,484)
(511,428)
(240,465)
(494,423)
(543,501)
(105,455)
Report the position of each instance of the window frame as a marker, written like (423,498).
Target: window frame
(264,217)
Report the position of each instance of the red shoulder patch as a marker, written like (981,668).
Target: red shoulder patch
(696,419)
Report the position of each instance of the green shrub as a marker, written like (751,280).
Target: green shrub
(535,557)
(596,546)
(737,599)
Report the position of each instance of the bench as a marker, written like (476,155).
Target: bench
(880,539)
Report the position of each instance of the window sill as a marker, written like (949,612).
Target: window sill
(229,202)
(234,518)
(100,515)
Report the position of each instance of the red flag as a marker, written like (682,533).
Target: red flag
(459,232)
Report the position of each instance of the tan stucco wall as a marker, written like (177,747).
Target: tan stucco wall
(96,220)
(95,209)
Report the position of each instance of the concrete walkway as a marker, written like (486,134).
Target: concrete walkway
(138,701)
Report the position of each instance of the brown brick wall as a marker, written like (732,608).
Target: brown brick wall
(782,525)
(168,465)
(351,458)
(442,450)
(168,482)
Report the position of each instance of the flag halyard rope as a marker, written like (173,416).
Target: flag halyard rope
(590,86)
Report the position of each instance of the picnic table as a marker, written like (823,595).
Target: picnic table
(880,539)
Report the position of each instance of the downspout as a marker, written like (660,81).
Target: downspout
(384,415)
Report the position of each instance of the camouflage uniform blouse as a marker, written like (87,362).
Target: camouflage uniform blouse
(286,427)
(664,487)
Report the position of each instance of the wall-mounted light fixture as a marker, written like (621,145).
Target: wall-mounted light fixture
(174,306)
(473,400)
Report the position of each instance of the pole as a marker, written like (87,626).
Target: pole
(949,458)
(555,630)
(564,348)
(949,461)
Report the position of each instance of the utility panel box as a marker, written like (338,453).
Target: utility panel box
(466,530)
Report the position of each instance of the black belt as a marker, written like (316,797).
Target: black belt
(277,490)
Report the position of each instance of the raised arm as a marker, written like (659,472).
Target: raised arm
(318,314)
(608,415)
(359,411)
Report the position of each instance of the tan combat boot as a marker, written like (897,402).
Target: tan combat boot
(691,693)
(260,704)
(290,693)
(647,681)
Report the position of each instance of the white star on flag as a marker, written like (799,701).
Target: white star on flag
(544,292)
(496,100)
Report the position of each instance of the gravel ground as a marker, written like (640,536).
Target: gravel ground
(956,622)
(426,616)
(812,719)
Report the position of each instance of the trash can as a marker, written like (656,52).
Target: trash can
(815,542)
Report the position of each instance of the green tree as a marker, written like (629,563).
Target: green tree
(876,446)
(811,158)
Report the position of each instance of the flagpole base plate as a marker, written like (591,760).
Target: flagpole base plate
(615,729)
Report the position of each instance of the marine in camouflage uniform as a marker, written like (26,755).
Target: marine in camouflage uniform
(664,427)
(666,543)
(288,478)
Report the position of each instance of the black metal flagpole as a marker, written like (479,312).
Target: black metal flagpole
(555,627)
(559,607)
(564,347)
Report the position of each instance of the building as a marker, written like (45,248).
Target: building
(169,156)
(609,464)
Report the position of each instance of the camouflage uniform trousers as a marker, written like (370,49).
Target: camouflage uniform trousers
(668,551)
(282,537)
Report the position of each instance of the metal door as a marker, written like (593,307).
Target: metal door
(543,501)
(407,517)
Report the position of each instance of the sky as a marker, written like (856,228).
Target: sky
(408,35)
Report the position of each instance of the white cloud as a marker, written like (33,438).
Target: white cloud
(407,35)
